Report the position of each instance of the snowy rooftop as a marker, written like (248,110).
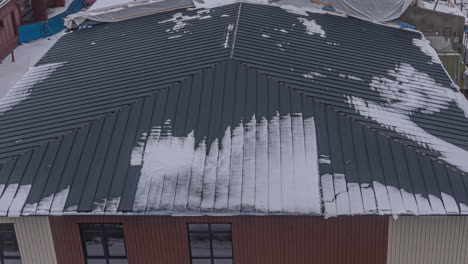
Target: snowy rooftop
(239,109)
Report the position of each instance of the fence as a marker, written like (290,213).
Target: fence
(48,27)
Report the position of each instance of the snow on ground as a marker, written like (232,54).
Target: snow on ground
(444,7)
(108,3)
(58,10)
(26,55)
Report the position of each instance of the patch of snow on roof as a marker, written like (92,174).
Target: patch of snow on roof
(266,36)
(46,204)
(312,75)
(450,204)
(351,77)
(22,89)
(26,56)
(403,97)
(460,100)
(170,161)
(312,27)
(425,47)
(230,29)
(137,153)
(180,21)
(303,10)
(463,208)
(20,199)
(324,159)
(213,3)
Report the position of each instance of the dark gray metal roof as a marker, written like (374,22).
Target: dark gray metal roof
(199,112)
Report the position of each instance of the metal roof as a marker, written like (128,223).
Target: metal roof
(229,111)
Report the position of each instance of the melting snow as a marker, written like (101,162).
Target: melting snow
(312,27)
(404,96)
(22,89)
(311,8)
(230,29)
(180,21)
(312,75)
(425,47)
(208,179)
(351,77)
(213,3)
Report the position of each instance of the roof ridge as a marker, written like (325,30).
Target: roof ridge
(449,166)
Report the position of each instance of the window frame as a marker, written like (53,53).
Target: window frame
(212,258)
(2,256)
(104,236)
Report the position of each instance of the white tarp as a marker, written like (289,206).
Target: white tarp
(4,2)
(371,10)
(118,10)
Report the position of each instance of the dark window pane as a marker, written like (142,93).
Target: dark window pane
(201,261)
(12,261)
(116,246)
(93,244)
(198,227)
(97,261)
(10,245)
(222,245)
(223,261)
(113,227)
(221,227)
(7,227)
(200,245)
(118,261)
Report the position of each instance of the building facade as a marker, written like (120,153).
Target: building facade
(240,239)
(10,19)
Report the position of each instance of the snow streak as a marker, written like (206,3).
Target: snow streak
(261,166)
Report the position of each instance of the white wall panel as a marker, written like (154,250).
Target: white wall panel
(34,239)
(428,240)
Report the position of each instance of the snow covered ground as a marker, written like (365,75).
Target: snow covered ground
(444,7)
(58,10)
(26,55)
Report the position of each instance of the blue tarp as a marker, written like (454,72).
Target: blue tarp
(402,24)
(48,27)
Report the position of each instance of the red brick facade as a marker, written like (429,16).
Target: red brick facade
(10,19)
(256,239)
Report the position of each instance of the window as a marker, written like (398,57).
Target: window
(210,243)
(15,27)
(9,245)
(103,243)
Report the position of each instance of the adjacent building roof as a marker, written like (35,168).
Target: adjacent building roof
(239,109)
